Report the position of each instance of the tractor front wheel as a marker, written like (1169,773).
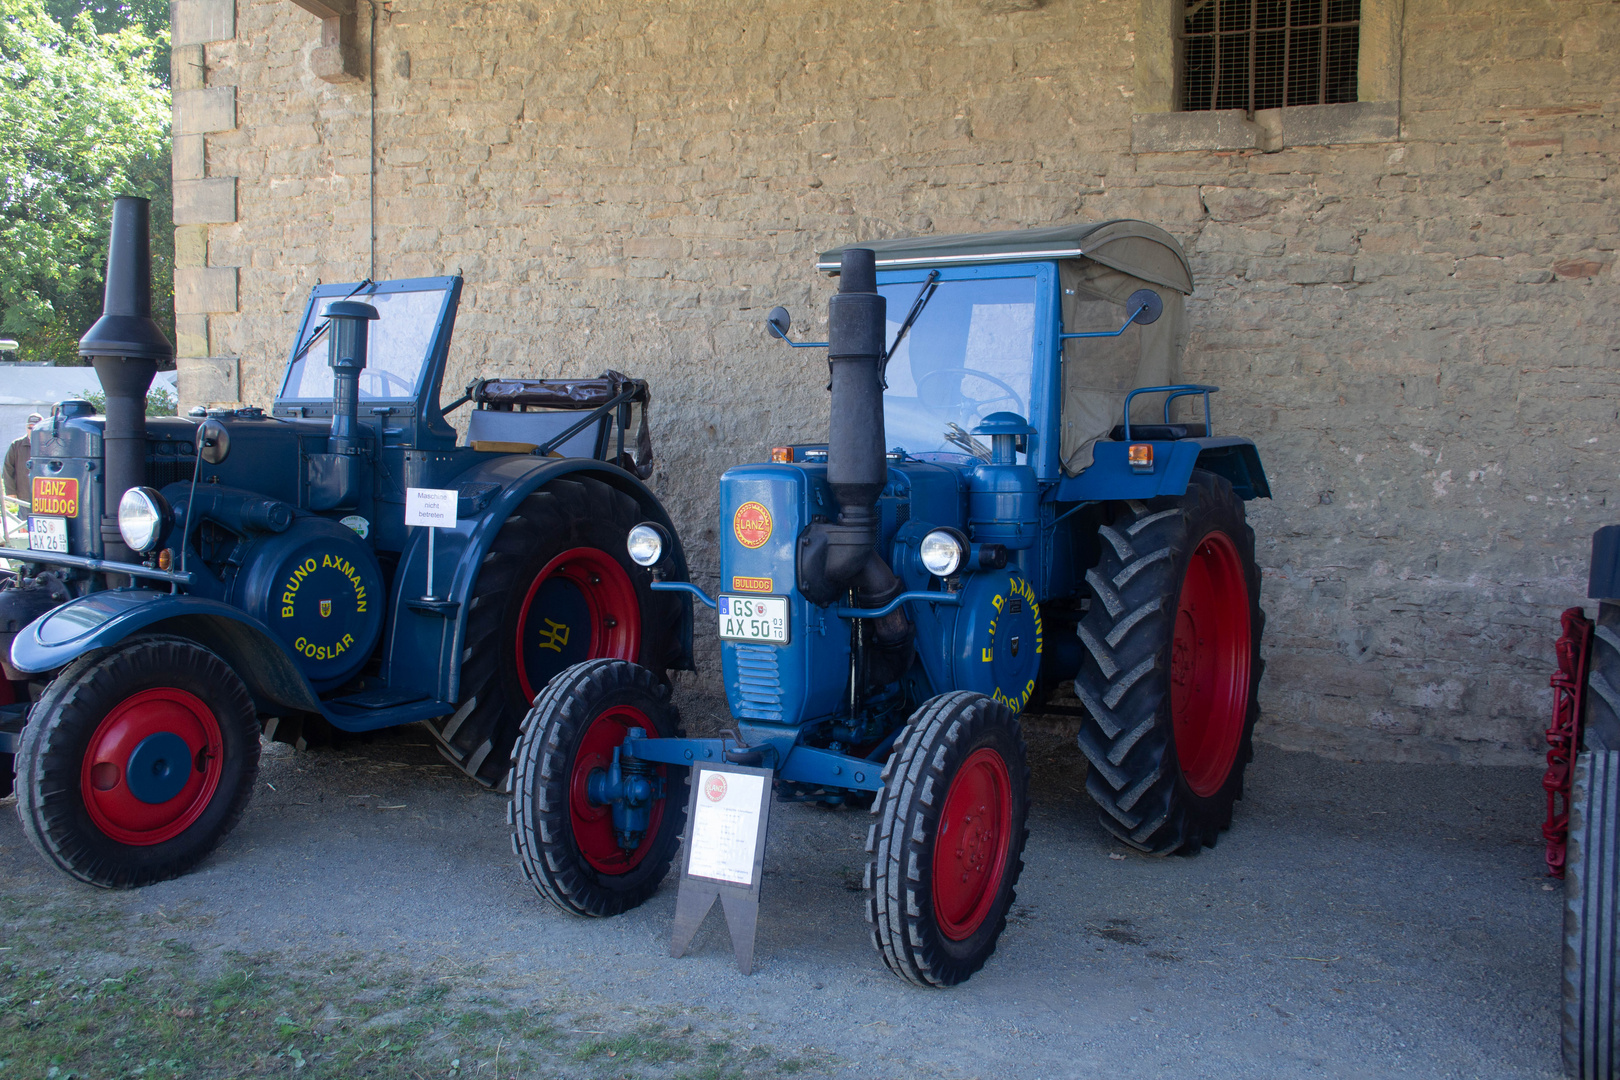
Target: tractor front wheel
(137,761)
(1172,667)
(570,847)
(948,844)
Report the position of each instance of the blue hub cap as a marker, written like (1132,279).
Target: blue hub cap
(158,768)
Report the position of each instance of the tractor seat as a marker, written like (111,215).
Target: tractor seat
(520,432)
(1158,432)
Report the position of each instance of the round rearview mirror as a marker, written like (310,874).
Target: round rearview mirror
(1149,303)
(779,320)
(213,441)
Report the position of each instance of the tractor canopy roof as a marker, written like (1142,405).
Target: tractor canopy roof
(1131,247)
(1100,264)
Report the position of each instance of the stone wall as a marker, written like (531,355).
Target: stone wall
(1417,321)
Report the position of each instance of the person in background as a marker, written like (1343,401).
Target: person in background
(15,477)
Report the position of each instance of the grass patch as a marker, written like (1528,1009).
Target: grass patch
(105,995)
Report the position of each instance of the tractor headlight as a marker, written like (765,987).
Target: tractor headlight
(942,552)
(142,516)
(646,544)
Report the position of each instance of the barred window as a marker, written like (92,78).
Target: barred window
(1263,54)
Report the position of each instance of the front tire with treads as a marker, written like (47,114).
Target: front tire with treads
(948,844)
(567,844)
(1172,667)
(556,587)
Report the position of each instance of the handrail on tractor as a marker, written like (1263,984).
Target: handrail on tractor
(110,566)
(1179,390)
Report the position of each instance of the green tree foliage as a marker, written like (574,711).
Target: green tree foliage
(82,119)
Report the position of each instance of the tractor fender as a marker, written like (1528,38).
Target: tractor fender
(101,619)
(426,641)
(1110,476)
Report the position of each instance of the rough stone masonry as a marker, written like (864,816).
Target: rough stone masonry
(1409,302)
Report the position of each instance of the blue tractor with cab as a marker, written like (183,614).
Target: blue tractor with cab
(195,583)
(1006,501)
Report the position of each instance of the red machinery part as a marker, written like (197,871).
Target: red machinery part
(1574,650)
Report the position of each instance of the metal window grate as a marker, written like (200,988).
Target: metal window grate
(1263,54)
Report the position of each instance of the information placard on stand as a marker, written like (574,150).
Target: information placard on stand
(430,508)
(728,810)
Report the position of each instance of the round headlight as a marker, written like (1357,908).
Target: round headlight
(142,515)
(942,552)
(646,544)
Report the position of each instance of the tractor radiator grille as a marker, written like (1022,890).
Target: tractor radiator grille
(759,683)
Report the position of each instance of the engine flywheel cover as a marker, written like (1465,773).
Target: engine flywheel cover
(998,638)
(318,588)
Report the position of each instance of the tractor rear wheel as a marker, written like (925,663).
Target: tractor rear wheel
(566,842)
(1172,667)
(556,587)
(137,761)
(1592,919)
(948,844)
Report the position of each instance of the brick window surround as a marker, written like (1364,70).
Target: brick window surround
(1266,74)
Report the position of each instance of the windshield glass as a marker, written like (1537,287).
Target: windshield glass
(971,353)
(396,352)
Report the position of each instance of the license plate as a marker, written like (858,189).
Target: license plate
(47,534)
(754,618)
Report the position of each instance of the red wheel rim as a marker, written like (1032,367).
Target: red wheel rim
(593,823)
(103,779)
(970,848)
(582,585)
(1209,664)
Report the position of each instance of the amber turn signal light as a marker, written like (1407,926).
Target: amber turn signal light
(1140,456)
(165,559)
(781,455)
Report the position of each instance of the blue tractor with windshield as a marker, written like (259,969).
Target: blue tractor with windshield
(195,582)
(1007,499)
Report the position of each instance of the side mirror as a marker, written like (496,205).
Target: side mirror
(1148,306)
(213,441)
(779,321)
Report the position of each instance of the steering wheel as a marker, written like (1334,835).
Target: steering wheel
(1009,394)
(407,388)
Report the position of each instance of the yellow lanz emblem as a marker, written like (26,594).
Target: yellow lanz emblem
(326,608)
(554,636)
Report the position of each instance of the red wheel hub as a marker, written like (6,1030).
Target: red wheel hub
(970,848)
(1209,664)
(580,606)
(152,766)
(593,822)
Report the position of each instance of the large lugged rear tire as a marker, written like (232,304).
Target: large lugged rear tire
(137,761)
(1592,919)
(566,843)
(1172,667)
(1601,724)
(556,587)
(948,844)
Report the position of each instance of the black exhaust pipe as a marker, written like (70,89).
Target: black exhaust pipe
(125,346)
(835,558)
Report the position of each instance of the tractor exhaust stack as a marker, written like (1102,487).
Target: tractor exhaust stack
(836,558)
(125,346)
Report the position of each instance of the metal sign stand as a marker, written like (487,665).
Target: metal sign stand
(726,819)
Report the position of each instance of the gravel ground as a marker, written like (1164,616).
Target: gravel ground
(1359,920)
